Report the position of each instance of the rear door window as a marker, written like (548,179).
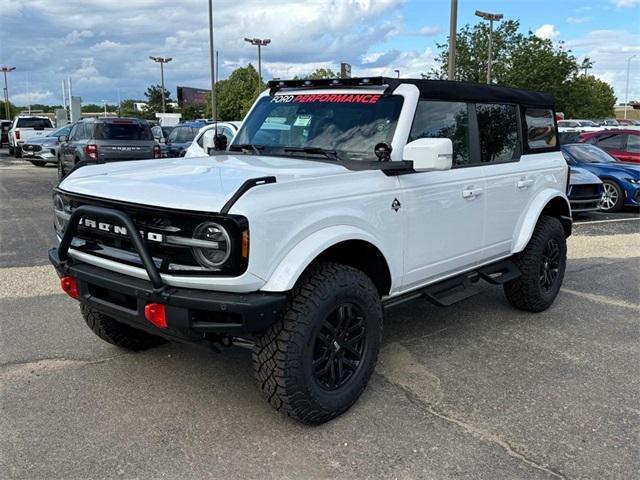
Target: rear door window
(498,130)
(540,127)
(122,131)
(633,143)
(615,142)
(444,120)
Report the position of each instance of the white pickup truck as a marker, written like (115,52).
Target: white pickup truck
(336,200)
(25,127)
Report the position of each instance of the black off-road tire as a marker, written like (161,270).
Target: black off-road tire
(529,292)
(283,355)
(117,333)
(38,163)
(18,152)
(11,151)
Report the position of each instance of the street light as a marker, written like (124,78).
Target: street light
(491,17)
(397,73)
(5,70)
(259,42)
(211,53)
(453,28)
(162,61)
(626,101)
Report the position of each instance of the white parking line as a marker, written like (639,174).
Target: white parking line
(602,299)
(609,221)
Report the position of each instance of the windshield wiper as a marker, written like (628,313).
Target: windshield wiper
(243,147)
(330,154)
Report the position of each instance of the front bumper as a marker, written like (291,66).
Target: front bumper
(191,314)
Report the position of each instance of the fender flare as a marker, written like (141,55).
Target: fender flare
(534,210)
(291,267)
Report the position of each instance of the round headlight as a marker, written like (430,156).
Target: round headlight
(60,213)
(220,250)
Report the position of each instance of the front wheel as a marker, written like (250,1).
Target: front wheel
(612,197)
(18,152)
(314,363)
(542,265)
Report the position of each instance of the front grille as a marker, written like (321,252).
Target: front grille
(586,190)
(154,222)
(32,148)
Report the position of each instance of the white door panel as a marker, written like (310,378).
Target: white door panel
(444,215)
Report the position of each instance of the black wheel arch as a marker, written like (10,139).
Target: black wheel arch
(558,207)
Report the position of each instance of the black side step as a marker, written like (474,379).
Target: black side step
(499,273)
(461,287)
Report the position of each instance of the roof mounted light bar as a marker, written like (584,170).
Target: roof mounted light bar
(276,85)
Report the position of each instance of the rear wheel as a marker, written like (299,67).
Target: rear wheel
(315,362)
(117,333)
(612,197)
(18,152)
(11,151)
(37,163)
(542,265)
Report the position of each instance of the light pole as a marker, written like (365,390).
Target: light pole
(626,101)
(162,61)
(7,111)
(259,42)
(397,73)
(453,29)
(211,56)
(104,105)
(491,17)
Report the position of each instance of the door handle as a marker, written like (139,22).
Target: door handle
(471,192)
(524,183)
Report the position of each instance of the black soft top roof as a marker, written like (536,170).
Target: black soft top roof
(431,89)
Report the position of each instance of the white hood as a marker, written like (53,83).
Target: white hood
(203,183)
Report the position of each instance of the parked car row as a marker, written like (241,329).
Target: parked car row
(570,125)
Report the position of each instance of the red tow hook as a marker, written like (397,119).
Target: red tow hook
(156,314)
(70,286)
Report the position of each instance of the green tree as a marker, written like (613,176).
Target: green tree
(128,109)
(236,94)
(319,74)
(193,111)
(13,110)
(524,61)
(589,97)
(154,101)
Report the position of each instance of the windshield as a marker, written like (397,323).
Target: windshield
(122,131)
(589,154)
(61,131)
(588,123)
(33,122)
(350,125)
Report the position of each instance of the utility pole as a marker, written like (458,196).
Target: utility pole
(162,61)
(259,42)
(626,100)
(7,110)
(211,58)
(491,17)
(453,32)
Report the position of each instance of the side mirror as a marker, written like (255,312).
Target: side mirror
(428,154)
(162,140)
(62,138)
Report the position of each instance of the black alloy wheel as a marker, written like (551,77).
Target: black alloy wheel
(339,347)
(550,265)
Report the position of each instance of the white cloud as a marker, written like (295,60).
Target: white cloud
(33,97)
(625,3)
(429,31)
(578,20)
(547,31)
(609,51)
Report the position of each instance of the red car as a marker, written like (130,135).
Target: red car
(624,145)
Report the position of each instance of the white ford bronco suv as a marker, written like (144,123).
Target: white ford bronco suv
(336,200)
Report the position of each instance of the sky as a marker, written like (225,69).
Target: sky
(104,45)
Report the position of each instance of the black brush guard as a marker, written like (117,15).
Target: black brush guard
(191,313)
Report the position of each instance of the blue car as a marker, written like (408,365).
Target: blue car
(180,139)
(621,180)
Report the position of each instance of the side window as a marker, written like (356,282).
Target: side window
(74,132)
(541,130)
(444,120)
(617,142)
(633,143)
(498,130)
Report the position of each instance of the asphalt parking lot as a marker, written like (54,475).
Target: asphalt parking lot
(475,391)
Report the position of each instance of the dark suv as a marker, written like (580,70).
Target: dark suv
(99,140)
